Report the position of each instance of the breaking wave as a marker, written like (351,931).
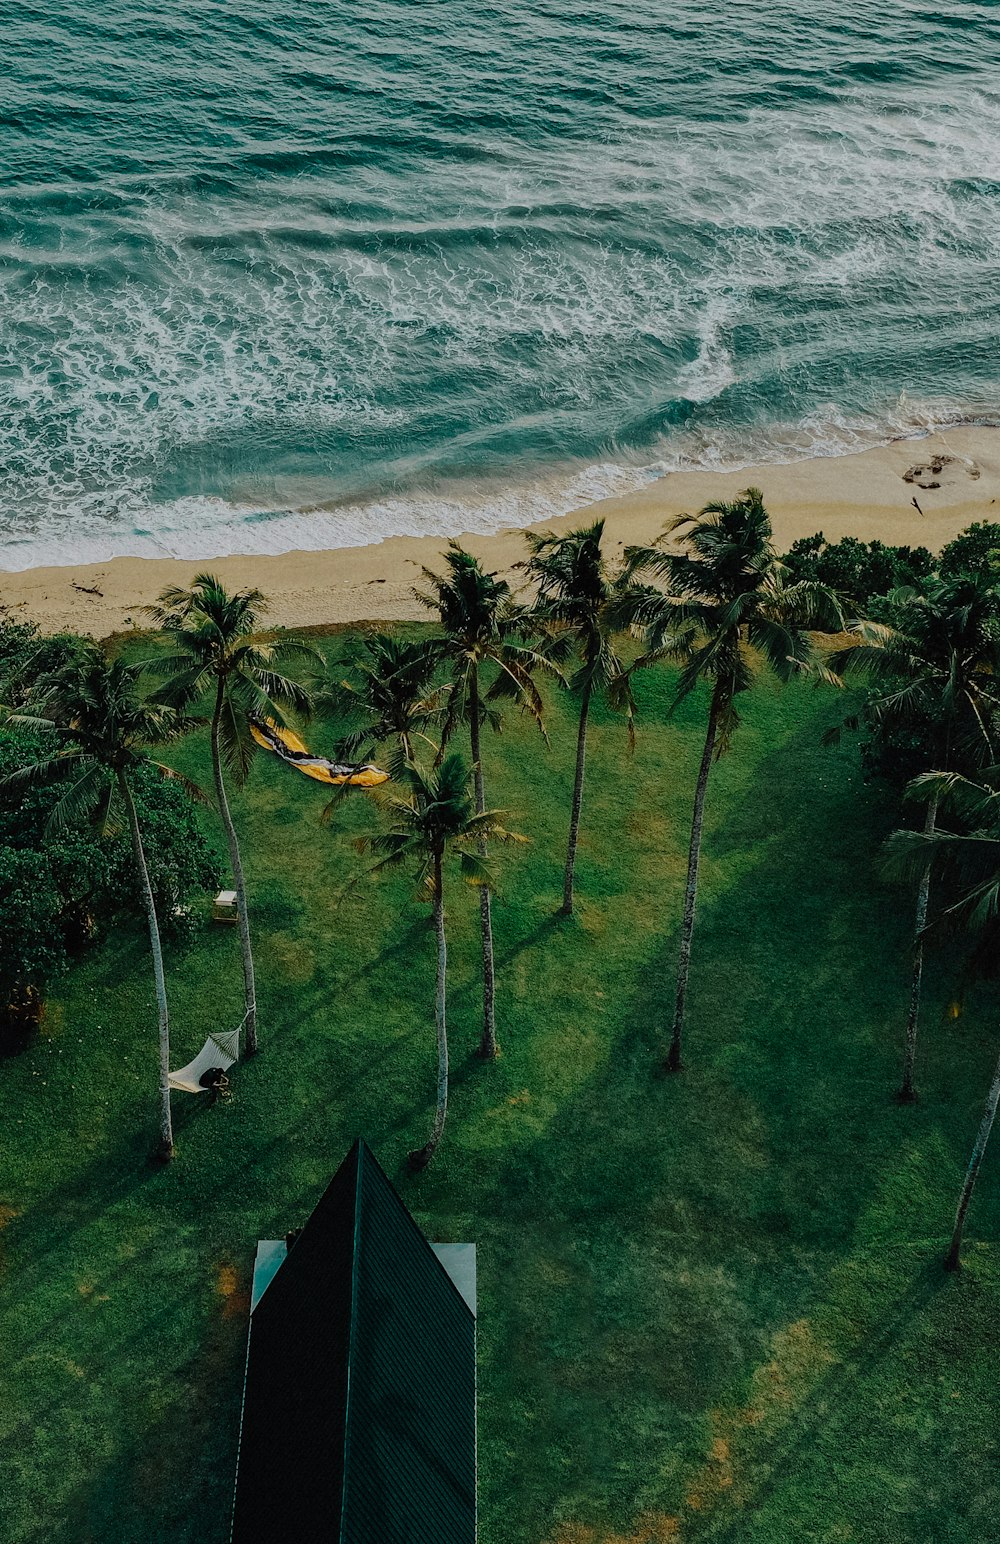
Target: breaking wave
(480,279)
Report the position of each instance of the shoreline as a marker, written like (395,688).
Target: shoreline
(867,494)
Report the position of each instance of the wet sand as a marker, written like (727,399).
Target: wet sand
(918,492)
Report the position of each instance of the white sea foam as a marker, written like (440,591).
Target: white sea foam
(712,368)
(199,528)
(174,376)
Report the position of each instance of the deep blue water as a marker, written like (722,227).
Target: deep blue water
(433,265)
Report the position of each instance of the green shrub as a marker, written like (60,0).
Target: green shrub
(857,570)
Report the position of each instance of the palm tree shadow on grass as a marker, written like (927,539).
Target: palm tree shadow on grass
(828,1401)
(412,943)
(112,1319)
(675,1175)
(536,937)
(835,916)
(39,1234)
(573,1323)
(135,1493)
(466,1066)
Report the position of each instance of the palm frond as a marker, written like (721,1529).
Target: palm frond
(969,859)
(25,720)
(79,801)
(955,793)
(50,769)
(239,748)
(475,870)
(171,775)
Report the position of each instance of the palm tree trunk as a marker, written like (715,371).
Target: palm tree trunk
(566,909)
(952,1260)
(674,1063)
(166,1147)
(236,863)
(421,1157)
(907,1093)
(488,1047)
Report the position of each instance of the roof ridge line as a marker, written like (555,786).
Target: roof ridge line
(416,1228)
(351,1334)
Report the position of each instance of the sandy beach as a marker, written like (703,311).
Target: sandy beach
(915,491)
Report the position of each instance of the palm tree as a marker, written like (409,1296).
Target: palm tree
(972,861)
(937,666)
(222,651)
(482,627)
(392,694)
(93,708)
(437,818)
(727,611)
(576,601)
(952,1260)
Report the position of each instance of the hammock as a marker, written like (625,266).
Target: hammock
(220,1050)
(287,745)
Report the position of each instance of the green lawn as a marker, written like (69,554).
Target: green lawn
(710,1307)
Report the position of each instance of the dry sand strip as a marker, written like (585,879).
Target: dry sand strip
(918,492)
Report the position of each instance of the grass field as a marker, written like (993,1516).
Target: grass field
(711,1307)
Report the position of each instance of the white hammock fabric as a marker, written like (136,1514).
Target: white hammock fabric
(220,1050)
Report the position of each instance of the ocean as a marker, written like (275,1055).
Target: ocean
(282,274)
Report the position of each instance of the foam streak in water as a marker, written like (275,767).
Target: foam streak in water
(451,285)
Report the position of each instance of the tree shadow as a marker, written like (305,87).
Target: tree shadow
(829,1397)
(642,1239)
(135,1494)
(756,1164)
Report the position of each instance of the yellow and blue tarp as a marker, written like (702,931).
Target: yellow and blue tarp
(286,744)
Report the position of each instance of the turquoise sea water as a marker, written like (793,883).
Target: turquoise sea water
(281,274)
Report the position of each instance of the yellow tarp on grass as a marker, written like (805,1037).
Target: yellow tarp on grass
(286,744)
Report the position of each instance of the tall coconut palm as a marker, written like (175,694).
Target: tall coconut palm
(436,818)
(223,655)
(101,724)
(953,1260)
(483,629)
(937,667)
(576,601)
(389,695)
(971,860)
(726,611)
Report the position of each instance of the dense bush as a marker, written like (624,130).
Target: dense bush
(32,941)
(944,631)
(857,570)
(61,889)
(25,654)
(895,754)
(975,551)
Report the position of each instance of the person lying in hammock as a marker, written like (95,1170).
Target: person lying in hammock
(215,1080)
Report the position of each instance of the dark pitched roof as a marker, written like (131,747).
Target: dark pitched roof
(359,1422)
